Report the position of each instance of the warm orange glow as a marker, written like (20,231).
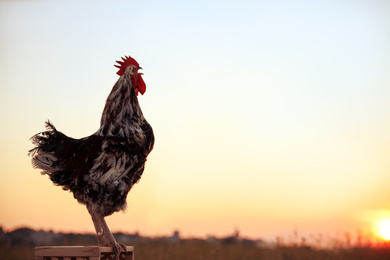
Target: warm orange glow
(262,132)
(384,229)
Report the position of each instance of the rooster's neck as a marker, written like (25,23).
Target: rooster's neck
(122,112)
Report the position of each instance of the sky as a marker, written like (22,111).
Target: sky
(269,116)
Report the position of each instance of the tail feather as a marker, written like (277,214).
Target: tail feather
(43,153)
(63,158)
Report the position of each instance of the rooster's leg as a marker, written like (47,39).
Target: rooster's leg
(106,230)
(104,235)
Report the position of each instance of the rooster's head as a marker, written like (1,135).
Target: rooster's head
(136,79)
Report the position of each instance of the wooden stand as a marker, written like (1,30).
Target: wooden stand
(80,252)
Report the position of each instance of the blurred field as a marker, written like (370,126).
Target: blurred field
(201,250)
(197,249)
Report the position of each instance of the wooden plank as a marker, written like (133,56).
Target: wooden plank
(110,250)
(67,251)
(108,253)
(93,252)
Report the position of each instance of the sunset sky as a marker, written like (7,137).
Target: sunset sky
(269,116)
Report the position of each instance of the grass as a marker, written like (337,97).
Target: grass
(158,249)
(202,250)
(16,252)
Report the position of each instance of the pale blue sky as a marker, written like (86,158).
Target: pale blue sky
(266,104)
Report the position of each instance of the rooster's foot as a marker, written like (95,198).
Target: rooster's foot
(118,248)
(123,246)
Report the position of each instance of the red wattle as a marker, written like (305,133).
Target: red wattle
(141,85)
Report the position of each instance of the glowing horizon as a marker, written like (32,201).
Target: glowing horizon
(274,121)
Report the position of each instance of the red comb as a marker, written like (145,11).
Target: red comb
(127,61)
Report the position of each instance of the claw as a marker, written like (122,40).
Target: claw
(117,252)
(123,246)
(117,248)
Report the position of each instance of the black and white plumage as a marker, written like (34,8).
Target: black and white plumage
(101,169)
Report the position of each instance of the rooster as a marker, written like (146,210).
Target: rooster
(101,169)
